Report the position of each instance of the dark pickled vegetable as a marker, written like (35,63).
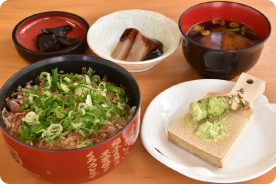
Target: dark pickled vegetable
(46,42)
(53,39)
(56,47)
(39,36)
(66,41)
(59,31)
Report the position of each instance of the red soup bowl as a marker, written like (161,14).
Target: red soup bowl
(25,34)
(75,165)
(222,64)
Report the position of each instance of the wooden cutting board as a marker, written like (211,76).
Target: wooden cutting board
(218,153)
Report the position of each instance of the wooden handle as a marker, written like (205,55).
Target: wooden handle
(249,87)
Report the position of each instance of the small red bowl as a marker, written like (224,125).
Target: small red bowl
(75,165)
(25,32)
(222,64)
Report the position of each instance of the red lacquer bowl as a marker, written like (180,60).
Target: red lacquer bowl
(25,32)
(77,165)
(222,64)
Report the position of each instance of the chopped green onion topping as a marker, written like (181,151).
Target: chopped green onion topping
(31,118)
(67,103)
(52,131)
(85,144)
(64,87)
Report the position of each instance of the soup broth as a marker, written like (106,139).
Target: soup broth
(223,35)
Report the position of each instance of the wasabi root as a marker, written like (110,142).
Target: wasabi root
(216,105)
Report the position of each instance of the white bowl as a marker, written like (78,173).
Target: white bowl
(104,35)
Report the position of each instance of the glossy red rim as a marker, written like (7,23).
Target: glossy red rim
(25,32)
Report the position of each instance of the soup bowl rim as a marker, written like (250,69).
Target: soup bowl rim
(218,50)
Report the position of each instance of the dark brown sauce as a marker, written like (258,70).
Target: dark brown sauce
(128,34)
(145,40)
(156,51)
(133,46)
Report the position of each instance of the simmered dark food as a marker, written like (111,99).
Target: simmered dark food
(67,111)
(126,41)
(59,31)
(133,46)
(224,35)
(53,39)
(46,42)
(142,47)
(158,51)
(66,41)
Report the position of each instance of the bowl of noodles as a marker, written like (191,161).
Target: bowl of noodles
(70,119)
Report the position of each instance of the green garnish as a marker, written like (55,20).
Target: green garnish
(234,29)
(85,143)
(67,103)
(55,79)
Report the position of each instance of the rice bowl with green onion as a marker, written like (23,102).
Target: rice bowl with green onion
(67,111)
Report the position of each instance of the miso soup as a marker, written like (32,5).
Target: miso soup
(223,35)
